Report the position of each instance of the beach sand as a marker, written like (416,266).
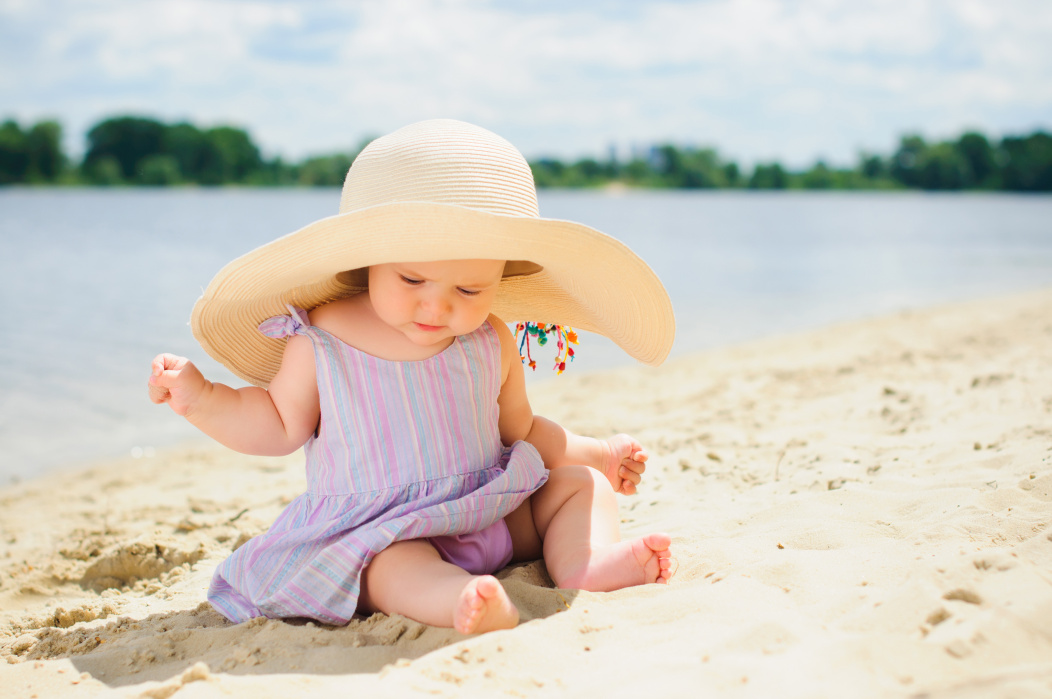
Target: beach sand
(859,511)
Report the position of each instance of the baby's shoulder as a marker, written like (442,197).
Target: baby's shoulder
(337,317)
(509,351)
(501,328)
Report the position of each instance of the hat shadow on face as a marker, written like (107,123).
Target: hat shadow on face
(357,280)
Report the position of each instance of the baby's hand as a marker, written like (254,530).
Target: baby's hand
(175,381)
(624,461)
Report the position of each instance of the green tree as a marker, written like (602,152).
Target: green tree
(967,163)
(586,172)
(703,169)
(980,158)
(548,172)
(872,167)
(34,155)
(671,168)
(770,176)
(189,146)
(277,173)
(731,174)
(818,177)
(1027,163)
(638,172)
(325,171)
(150,152)
(230,156)
(105,171)
(125,139)
(44,144)
(690,168)
(908,159)
(14,153)
(943,167)
(159,170)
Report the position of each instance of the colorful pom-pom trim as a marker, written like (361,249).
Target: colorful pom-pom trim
(564,335)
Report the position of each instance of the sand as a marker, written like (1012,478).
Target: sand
(859,511)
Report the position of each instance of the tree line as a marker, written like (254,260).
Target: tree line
(971,162)
(132,150)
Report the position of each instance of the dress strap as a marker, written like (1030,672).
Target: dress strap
(296,323)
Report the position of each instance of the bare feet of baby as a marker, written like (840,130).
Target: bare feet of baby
(625,564)
(484,606)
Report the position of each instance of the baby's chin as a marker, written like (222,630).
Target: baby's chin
(431,339)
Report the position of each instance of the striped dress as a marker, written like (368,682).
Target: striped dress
(405,450)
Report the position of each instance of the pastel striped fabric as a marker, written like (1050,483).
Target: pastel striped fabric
(405,450)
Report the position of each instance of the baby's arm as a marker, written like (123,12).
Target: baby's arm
(251,420)
(621,458)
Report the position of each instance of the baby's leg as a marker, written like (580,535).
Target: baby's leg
(411,579)
(575,516)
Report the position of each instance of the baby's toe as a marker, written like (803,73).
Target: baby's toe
(487,588)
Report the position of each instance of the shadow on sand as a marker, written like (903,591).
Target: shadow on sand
(162,646)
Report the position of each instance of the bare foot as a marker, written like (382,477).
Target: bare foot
(624,564)
(484,606)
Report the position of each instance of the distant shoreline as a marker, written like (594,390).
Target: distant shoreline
(607,188)
(136,150)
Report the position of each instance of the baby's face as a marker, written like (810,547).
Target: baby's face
(432,302)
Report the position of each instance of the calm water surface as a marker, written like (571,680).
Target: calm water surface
(95,283)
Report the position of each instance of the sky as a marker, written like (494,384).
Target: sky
(759,80)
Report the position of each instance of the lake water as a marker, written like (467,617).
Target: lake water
(94,283)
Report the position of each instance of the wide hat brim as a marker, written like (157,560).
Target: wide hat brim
(587,279)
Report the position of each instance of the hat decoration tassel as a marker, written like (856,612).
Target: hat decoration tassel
(564,334)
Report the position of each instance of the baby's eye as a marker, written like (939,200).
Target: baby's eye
(468,292)
(410,280)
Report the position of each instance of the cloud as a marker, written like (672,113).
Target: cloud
(762,79)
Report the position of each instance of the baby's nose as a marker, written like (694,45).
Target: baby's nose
(438,304)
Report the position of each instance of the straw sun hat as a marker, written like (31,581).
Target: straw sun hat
(437,190)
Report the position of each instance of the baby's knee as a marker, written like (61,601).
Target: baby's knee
(578,478)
